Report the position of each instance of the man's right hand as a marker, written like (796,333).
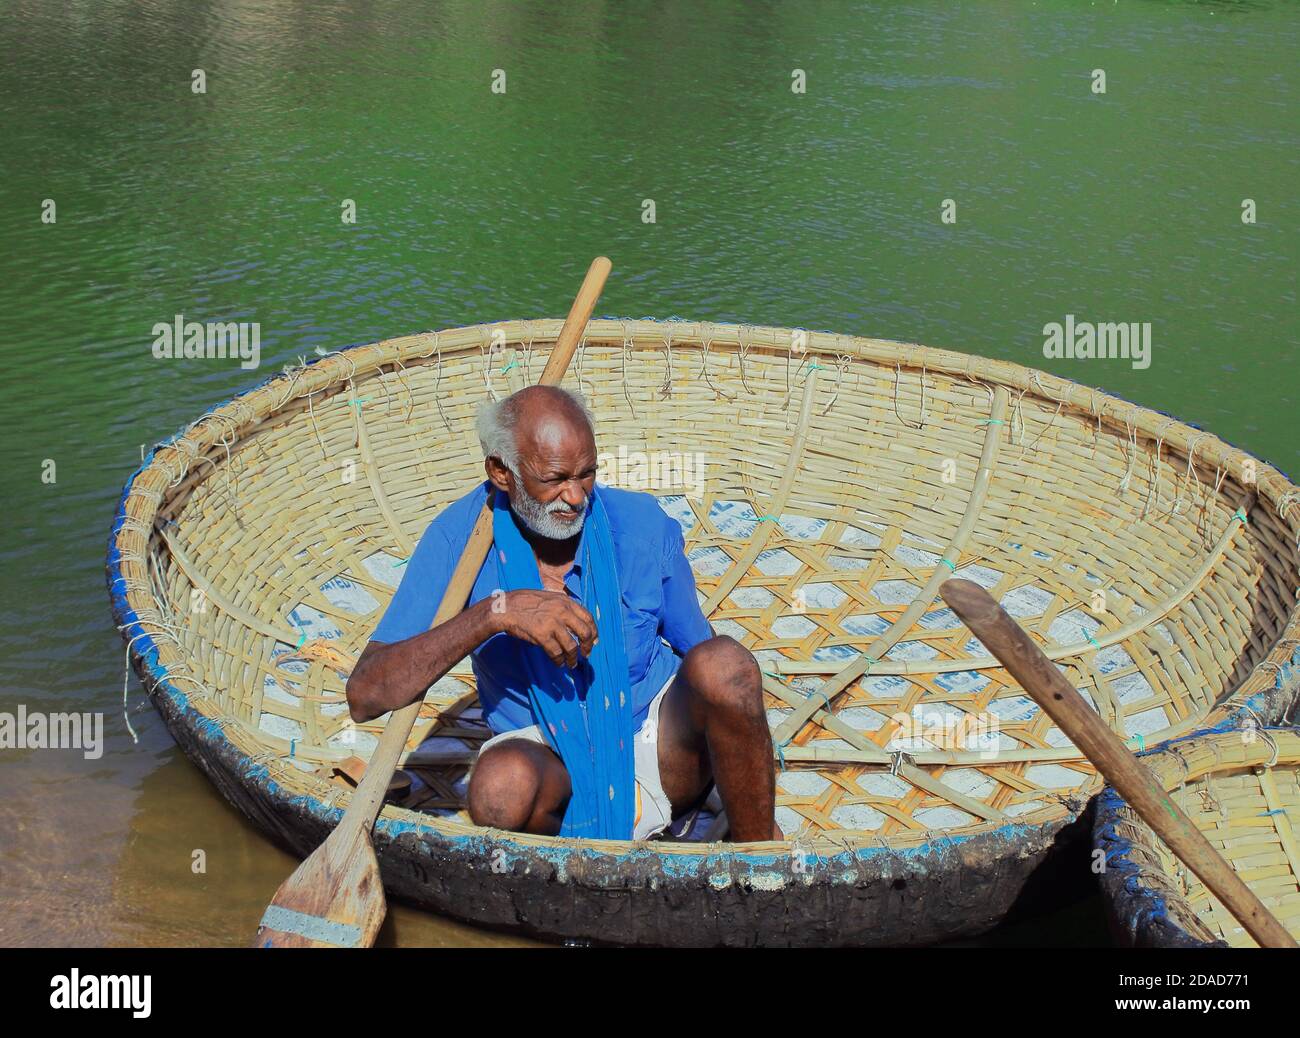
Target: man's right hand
(552,621)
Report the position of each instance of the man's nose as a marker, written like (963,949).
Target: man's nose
(573,495)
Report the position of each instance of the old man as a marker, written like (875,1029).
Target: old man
(613,706)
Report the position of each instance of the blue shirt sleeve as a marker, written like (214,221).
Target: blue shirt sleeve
(427,575)
(683,625)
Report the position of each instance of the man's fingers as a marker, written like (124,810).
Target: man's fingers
(568,647)
(583,627)
(553,645)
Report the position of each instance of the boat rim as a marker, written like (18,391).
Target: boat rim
(336,369)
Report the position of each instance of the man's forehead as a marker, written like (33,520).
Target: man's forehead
(570,454)
(553,431)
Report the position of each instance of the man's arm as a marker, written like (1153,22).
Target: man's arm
(389,676)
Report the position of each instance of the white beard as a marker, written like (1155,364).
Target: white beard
(539,517)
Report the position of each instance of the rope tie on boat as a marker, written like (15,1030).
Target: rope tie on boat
(707,341)
(436,353)
(1042,432)
(352,367)
(742,351)
(148,493)
(1188,473)
(949,564)
(582,353)
(292,375)
(399,370)
(485,348)
(626,353)
(898,374)
(1187,771)
(1203,524)
(666,389)
(1096,412)
(1018,421)
(842,362)
(311,415)
(131,522)
(1260,727)
(1273,744)
(183,444)
(820,692)
(1284,504)
(1153,487)
(898,757)
(1093,641)
(126,680)
(1141,742)
(530,332)
(785,404)
(1131,451)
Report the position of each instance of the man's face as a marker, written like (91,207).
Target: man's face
(556,473)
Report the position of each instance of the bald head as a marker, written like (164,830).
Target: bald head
(539,418)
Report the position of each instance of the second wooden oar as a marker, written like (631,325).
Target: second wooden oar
(335,898)
(1038,676)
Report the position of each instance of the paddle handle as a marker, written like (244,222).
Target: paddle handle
(1038,676)
(576,323)
(369,796)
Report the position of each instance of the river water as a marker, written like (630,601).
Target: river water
(819,209)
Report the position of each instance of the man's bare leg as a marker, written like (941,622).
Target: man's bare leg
(712,726)
(520,786)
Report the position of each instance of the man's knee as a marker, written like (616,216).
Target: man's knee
(724,674)
(505,786)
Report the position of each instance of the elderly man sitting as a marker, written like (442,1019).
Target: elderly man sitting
(614,708)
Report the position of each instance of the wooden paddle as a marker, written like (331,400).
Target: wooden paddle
(335,899)
(1039,677)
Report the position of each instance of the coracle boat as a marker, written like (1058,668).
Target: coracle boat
(826,486)
(1241,787)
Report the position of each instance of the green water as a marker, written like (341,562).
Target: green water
(819,209)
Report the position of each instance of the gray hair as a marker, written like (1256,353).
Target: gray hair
(497,419)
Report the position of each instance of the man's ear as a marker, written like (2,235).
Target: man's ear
(498,474)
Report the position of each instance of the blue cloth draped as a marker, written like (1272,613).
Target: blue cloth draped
(587,711)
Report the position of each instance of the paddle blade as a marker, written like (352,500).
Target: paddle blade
(335,899)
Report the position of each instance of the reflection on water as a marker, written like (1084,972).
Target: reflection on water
(817,210)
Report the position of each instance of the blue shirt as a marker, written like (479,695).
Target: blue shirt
(657,585)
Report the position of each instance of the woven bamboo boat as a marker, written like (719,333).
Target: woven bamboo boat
(843,479)
(1241,788)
